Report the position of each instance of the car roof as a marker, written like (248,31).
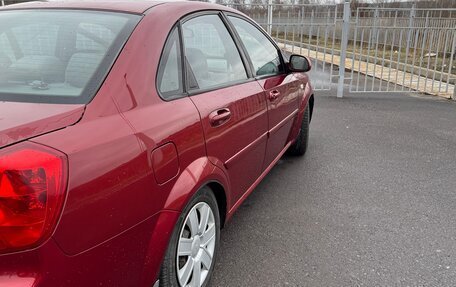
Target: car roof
(136,7)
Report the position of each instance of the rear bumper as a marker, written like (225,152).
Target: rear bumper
(132,258)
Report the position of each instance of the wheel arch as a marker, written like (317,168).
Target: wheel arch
(307,100)
(220,195)
(311,106)
(197,175)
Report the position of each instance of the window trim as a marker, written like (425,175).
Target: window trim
(220,87)
(237,41)
(182,78)
(107,10)
(248,66)
(279,51)
(244,59)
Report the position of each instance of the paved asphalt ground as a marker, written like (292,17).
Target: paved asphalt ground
(373,202)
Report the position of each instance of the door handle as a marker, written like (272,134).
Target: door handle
(273,95)
(219,117)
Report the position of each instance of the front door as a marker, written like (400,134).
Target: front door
(281,89)
(232,105)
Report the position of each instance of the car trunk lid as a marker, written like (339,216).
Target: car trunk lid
(22,121)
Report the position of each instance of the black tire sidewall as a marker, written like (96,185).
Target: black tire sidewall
(168,273)
(299,148)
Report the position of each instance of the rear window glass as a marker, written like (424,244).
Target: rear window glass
(58,56)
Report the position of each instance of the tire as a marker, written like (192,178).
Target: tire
(299,148)
(196,249)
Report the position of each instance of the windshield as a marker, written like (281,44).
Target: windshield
(58,56)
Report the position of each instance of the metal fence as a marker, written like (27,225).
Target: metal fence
(403,50)
(370,49)
(384,49)
(306,29)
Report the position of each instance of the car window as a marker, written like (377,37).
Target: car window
(170,70)
(211,53)
(263,54)
(93,37)
(58,56)
(6,51)
(36,38)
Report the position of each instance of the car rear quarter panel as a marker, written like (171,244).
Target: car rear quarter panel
(130,259)
(111,186)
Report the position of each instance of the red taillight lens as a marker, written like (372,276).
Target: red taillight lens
(32,192)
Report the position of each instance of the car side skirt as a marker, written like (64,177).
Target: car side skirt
(255,184)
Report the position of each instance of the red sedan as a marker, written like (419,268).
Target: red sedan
(130,132)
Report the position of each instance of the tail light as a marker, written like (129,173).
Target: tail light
(32,192)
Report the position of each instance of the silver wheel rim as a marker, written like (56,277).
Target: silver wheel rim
(195,251)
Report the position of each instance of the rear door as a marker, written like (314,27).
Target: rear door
(281,89)
(232,105)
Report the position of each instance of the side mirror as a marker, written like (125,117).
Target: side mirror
(299,63)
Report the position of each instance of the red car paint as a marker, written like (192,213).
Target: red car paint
(20,121)
(135,160)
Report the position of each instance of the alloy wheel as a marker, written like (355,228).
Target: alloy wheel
(196,247)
